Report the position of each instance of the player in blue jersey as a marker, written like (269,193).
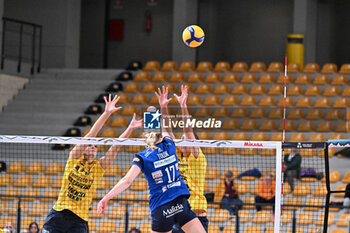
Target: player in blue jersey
(168,193)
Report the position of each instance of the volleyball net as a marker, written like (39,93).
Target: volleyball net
(33,172)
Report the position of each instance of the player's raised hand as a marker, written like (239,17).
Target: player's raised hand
(134,123)
(184,94)
(101,207)
(110,104)
(162,95)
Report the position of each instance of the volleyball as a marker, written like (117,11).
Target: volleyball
(193,36)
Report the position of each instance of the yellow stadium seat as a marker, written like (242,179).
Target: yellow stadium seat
(213,228)
(289,125)
(187,66)
(58,182)
(124,98)
(241,136)
(142,76)
(221,136)
(313,202)
(230,100)
(295,113)
(331,91)
(317,137)
(325,126)
(152,66)
(306,126)
(346,92)
(139,213)
(242,187)
(240,112)
(342,127)
(336,136)
(145,227)
(257,67)
(195,77)
(104,183)
(314,114)
(194,100)
(160,77)
(320,219)
(38,209)
(222,89)
(293,68)
(42,182)
(338,230)
(4,206)
(320,191)
(248,101)
(321,79)
(117,212)
(220,215)
(248,200)
(31,193)
(177,77)
(139,185)
(311,68)
(276,137)
(297,137)
(245,215)
(222,66)
(212,173)
(204,66)
(239,89)
(221,112)
(249,78)
(267,78)
(334,176)
(23,181)
(6,180)
(49,193)
(229,229)
(129,198)
(343,220)
(203,89)
(286,217)
(303,79)
(275,90)
(54,169)
(230,78)
(132,87)
(213,78)
(212,100)
(268,125)
(109,133)
(35,168)
(249,125)
(113,170)
(294,90)
(281,78)
(339,80)
(345,69)
(119,121)
(262,217)
(240,67)
(258,113)
(341,187)
(171,87)
(346,178)
(252,229)
(202,112)
(275,67)
(276,113)
(107,226)
(304,102)
(292,201)
(329,68)
(16,167)
(341,102)
(169,66)
(289,102)
(267,101)
(258,90)
(204,135)
(150,88)
(313,91)
(140,99)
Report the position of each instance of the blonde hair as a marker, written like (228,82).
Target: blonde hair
(151,139)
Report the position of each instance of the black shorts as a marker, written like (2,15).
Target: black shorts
(178,211)
(63,222)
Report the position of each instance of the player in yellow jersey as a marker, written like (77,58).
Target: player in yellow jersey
(192,166)
(81,177)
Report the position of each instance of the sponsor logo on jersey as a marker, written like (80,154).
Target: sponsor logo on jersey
(174,184)
(158,180)
(164,162)
(157,174)
(164,189)
(173,210)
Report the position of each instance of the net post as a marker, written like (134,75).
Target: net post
(19,216)
(328,186)
(278,181)
(126,219)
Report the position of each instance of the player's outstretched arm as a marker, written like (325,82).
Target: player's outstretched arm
(108,159)
(188,131)
(110,108)
(123,184)
(162,95)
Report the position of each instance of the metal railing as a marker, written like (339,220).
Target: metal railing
(21,41)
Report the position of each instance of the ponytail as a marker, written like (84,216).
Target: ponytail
(151,139)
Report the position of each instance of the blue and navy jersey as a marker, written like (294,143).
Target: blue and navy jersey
(161,170)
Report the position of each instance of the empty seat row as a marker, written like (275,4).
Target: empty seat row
(222,66)
(214,77)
